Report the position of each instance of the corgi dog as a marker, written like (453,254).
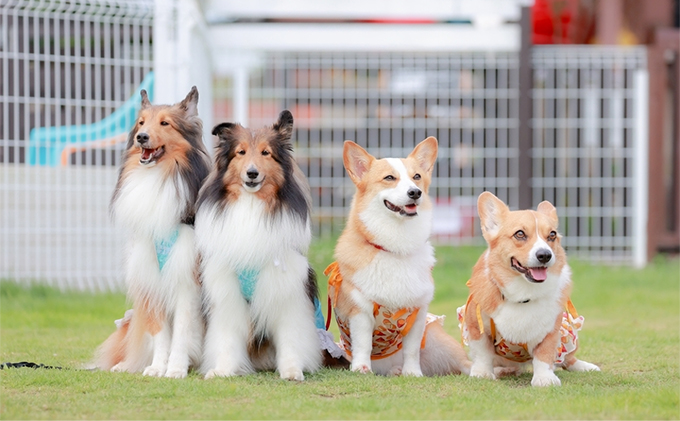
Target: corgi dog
(519,308)
(163,167)
(253,232)
(381,283)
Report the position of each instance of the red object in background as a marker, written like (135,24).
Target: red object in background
(559,22)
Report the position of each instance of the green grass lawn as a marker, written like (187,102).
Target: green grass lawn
(632,332)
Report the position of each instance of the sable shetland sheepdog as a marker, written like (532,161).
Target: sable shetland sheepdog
(253,232)
(163,167)
(519,306)
(381,283)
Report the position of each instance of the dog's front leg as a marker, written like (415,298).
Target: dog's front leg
(544,355)
(361,327)
(161,351)
(481,346)
(187,333)
(411,345)
(226,339)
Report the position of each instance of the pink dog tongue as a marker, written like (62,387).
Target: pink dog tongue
(539,274)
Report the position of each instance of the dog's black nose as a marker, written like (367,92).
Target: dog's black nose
(142,138)
(544,255)
(414,193)
(252,173)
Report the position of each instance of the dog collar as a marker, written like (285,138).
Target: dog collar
(518,302)
(381,248)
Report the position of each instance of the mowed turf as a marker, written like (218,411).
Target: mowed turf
(631,331)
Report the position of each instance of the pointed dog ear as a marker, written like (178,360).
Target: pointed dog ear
(549,210)
(425,153)
(491,211)
(357,161)
(190,103)
(225,131)
(145,99)
(284,125)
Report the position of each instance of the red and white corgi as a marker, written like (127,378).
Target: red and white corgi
(163,167)
(519,306)
(253,232)
(381,283)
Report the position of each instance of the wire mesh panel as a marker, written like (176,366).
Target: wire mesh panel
(67,67)
(585,138)
(387,103)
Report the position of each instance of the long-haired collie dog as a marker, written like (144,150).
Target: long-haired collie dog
(253,232)
(519,310)
(162,171)
(381,283)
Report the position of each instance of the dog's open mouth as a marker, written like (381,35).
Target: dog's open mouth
(151,155)
(252,184)
(407,210)
(537,274)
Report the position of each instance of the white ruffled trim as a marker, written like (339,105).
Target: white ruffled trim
(329,344)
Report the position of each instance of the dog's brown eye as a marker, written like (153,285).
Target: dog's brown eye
(389,178)
(265,152)
(141,123)
(416,177)
(241,152)
(164,123)
(520,235)
(552,236)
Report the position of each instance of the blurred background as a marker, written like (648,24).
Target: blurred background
(571,101)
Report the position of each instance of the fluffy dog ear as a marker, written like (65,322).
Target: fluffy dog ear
(190,103)
(491,212)
(357,161)
(549,210)
(145,99)
(425,153)
(225,132)
(284,125)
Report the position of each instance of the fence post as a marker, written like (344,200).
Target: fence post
(640,168)
(525,132)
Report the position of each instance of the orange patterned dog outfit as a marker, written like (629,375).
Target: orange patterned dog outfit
(390,326)
(571,324)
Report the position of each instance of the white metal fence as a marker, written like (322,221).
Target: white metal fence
(590,147)
(65,64)
(75,64)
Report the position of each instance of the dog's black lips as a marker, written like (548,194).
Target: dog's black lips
(401,210)
(150,155)
(524,271)
(253,184)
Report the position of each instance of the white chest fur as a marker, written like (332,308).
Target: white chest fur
(398,281)
(522,321)
(245,235)
(149,204)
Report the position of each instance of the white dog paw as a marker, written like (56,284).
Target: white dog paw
(482,372)
(118,368)
(583,366)
(292,374)
(154,371)
(545,379)
(176,373)
(412,372)
(361,368)
(218,373)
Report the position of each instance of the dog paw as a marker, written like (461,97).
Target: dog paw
(394,371)
(412,372)
(361,368)
(176,373)
(583,366)
(217,373)
(118,368)
(482,373)
(292,374)
(545,379)
(154,371)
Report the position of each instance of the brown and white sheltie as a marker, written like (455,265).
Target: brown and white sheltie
(381,284)
(253,232)
(519,310)
(163,168)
